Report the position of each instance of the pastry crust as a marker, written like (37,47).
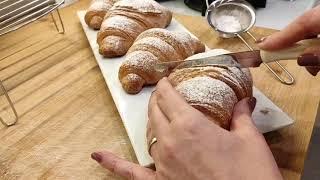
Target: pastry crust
(153,46)
(213,90)
(125,21)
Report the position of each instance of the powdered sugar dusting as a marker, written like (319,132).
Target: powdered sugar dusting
(157,43)
(100,5)
(184,37)
(118,22)
(233,76)
(206,90)
(115,41)
(236,71)
(141,59)
(147,6)
(186,41)
(133,77)
(240,77)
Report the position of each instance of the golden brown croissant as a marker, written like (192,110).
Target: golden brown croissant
(96,12)
(125,21)
(152,46)
(213,90)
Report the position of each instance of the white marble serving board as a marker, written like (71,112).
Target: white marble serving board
(133,108)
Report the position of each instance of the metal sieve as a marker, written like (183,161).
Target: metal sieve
(243,14)
(239,9)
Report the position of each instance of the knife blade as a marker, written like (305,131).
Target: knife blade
(239,60)
(243,59)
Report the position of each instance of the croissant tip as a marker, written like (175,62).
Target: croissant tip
(132,83)
(95,22)
(110,53)
(113,46)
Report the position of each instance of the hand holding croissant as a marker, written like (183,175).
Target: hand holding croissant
(191,147)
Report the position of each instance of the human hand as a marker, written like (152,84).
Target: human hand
(189,146)
(305,27)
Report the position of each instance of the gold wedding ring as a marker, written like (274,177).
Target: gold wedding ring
(153,140)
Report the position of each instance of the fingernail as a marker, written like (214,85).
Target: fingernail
(261,40)
(312,36)
(151,166)
(96,156)
(252,103)
(308,60)
(313,71)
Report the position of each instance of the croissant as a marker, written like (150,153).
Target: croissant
(125,21)
(152,46)
(213,90)
(96,12)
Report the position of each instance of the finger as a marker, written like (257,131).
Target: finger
(152,101)
(241,117)
(171,103)
(150,136)
(159,124)
(122,167)
(153,153)
(303,27)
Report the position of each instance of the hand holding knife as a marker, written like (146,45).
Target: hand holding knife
(244,59)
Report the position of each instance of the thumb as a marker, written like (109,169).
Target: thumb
(122,167)
(241,117)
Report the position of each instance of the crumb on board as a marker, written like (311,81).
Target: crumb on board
(264,111)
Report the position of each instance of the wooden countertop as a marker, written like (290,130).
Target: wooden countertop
(66,110)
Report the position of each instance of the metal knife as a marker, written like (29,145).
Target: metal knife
(243,59)
(220,60)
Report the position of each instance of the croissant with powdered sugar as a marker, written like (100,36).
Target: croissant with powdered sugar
(153,46)
(213,90)
(125,21)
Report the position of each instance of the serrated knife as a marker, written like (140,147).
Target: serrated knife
(243,59)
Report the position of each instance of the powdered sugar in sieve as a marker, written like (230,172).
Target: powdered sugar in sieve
(231,17)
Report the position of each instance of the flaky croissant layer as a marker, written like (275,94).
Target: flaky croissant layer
(213,90)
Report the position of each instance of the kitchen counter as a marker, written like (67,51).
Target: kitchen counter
(66,111)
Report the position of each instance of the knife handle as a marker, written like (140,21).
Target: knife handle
(291,53)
